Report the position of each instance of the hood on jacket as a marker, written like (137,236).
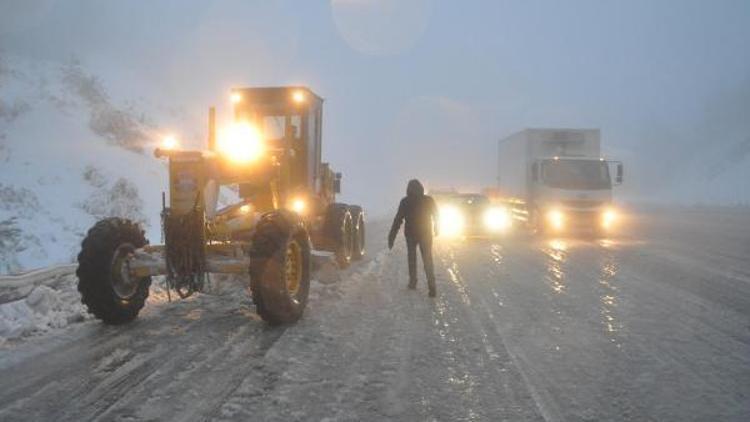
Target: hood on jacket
(414,188)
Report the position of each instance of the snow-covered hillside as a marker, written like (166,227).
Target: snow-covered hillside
(70,154)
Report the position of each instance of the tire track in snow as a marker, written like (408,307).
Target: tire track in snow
(541,400)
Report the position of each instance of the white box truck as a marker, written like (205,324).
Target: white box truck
(556,180)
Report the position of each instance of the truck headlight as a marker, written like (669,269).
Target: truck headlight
(556,219)
(451,221)
(497,219)
(609,217)
(240,143)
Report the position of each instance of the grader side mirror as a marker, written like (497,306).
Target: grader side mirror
(619,175)
(337,183)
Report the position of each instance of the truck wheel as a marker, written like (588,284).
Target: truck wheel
(106,287)
(358,232)
(280,269)
(339,229)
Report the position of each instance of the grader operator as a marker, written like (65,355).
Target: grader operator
(272,153)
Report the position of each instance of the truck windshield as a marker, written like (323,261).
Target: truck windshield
(576,174)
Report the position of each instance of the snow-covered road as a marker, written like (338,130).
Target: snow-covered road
(654,325)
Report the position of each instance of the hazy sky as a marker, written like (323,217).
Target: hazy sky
(425,88)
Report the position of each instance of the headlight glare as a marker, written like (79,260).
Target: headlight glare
(299,206)
(169,143)
(609,217)
(497,219)
(556,219)
(451,221)
(241,143)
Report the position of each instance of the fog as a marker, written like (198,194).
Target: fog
(426,88)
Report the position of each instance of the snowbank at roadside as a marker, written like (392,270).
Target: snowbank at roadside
(44,309)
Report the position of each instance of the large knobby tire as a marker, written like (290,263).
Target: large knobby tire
(358,232)
(280,269)
(339,228)
(106,289)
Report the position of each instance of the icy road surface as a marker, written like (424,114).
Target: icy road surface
(654,325)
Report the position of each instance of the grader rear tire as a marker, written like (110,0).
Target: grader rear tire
(280,269)
(339,228)
(358,232)
(106,289)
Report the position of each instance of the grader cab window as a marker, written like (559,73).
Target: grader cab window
(282,126)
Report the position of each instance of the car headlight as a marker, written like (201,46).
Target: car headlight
(240,143)
(609,217)
(497,219)
(556,219)
(451,221)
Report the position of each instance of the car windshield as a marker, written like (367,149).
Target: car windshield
(474,200)
(576,174)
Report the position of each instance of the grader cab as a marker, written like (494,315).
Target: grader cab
(271,153)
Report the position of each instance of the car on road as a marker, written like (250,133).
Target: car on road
(464,215)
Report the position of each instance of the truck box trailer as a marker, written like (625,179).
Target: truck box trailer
(556,180)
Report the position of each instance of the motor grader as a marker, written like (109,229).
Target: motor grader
(270,155)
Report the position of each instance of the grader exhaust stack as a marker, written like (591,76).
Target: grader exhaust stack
(212,128)
(272,153)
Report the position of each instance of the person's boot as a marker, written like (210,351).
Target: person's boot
(432,291)
(412,285)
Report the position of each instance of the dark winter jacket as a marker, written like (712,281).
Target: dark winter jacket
(419,212)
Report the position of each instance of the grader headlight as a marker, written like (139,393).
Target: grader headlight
(298,205)
(169,143)
(299,96)
(241,143)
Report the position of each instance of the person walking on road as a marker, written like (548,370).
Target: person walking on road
(420,214)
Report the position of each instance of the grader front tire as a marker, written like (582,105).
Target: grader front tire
(280,272)
(105,286)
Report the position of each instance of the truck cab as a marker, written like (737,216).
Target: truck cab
(573,193)
(557,179)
